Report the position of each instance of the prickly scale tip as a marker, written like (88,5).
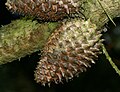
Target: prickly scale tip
(69,51)
(46,10)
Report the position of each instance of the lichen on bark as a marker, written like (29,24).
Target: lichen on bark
(23,37)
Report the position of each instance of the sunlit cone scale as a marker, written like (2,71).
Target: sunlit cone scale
(47,10)
(69,51)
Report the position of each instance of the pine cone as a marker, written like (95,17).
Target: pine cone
(69,51)
(46,10)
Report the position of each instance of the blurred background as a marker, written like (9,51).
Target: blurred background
(18,76)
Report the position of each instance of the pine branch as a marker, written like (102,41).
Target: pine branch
(23,37)
(93,10)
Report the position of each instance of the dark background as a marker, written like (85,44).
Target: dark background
(18,76)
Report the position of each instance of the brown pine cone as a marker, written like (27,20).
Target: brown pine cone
(69,51)
(46,10)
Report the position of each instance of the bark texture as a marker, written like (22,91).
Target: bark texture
(23,37)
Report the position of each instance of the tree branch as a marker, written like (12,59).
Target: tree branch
(23,37)
(93,10)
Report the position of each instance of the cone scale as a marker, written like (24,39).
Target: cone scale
(70,50)
(46,10)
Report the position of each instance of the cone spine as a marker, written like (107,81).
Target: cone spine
(69,51)
(46,10)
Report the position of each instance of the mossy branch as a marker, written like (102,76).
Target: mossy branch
(93,10)
(23,37)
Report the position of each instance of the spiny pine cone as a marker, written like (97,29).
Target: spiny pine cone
(68,52)
(46,10)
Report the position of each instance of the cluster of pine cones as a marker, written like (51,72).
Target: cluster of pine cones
(71,48)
